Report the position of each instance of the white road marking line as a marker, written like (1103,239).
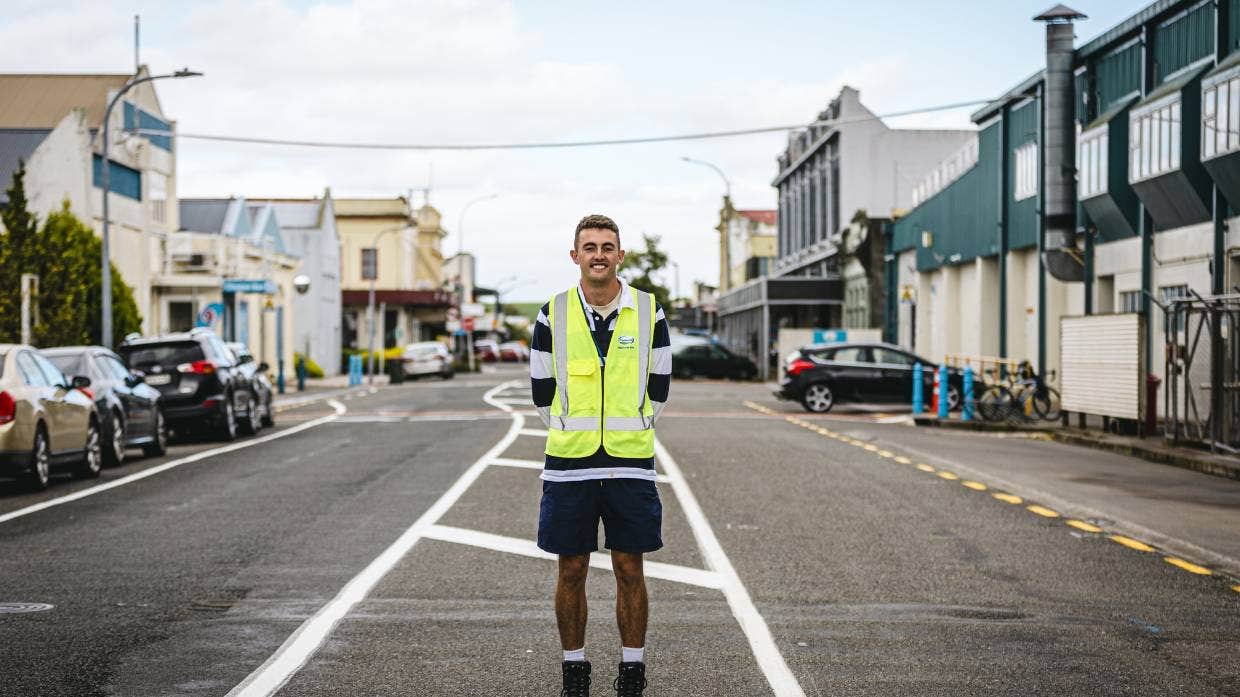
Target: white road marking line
(526,548)
(538,465)
(778,675)
(336,406)
(306,640)
(538,432)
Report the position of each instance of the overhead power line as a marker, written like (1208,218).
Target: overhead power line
(552,144)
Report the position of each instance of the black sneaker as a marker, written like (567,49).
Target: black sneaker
(632,679)
(576,679)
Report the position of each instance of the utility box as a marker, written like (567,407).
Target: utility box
(1100,359)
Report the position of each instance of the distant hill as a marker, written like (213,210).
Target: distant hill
(526,309)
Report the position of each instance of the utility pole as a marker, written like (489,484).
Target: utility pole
(30,307)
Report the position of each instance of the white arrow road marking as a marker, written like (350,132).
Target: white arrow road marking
(335,405)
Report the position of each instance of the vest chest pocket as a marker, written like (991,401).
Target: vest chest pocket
(583,390)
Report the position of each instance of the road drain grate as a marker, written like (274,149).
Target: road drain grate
(19,608)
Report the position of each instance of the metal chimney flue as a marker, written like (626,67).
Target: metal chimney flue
(1063,260)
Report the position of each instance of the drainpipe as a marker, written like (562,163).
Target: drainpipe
(1222,19)
(1042,231)
(1147,222)
(1005,182)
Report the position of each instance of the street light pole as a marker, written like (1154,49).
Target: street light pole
(370,304)
(725,260)
(105,256)
(460,265)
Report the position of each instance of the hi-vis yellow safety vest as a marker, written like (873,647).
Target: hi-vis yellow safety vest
(601,402)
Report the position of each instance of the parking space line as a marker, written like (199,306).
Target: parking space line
(540,433)
(598,560)
(306,640)
(1131,543)
(1009,498)
(1188,566)
(765,651)
(337,407)
(538,465)
(1042,511)
(1082,525)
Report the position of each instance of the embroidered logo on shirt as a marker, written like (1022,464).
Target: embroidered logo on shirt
(625,342)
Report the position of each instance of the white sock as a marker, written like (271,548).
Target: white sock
(637,655)
(575,654)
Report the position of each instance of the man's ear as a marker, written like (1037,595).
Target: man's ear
(620,258)
(573,253)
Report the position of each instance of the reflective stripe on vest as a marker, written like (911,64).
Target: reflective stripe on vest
(586,389)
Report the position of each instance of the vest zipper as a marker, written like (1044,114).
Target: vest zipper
(602,406)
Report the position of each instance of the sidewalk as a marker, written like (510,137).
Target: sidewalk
(1153,448)
(320,388)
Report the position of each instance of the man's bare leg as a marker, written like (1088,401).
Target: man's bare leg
(632,605)
(570,601)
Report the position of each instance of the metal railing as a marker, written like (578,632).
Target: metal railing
(1202,395)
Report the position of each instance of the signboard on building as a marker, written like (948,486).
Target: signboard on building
(249,285)
(467,324)
(209,315)
(472,310)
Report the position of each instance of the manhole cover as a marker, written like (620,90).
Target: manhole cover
(16,608)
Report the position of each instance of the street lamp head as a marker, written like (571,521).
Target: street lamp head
(301,282)
(186,72)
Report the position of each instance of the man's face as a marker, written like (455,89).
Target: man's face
(598,254)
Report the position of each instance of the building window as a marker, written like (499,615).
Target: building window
(1092,176)
(370,264)
(1154,141)
(1130,301)
(1026,171)
(180,315)
(1169,294)
(157,191)
(1220,118)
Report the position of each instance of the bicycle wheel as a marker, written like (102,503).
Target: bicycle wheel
(994,403)
(1046,403)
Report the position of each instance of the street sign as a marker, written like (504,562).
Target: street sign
(453,325)
(453,314)
(249,285)
(473,309)
(467,324)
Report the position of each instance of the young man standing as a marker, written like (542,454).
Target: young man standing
(600,370)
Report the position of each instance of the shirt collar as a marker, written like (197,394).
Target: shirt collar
(626,296)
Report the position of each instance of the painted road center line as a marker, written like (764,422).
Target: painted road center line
(976,486)
(765,651)
(527,548)
(950,476)
(1042,511)
(337,407)
(1082,525)
(924,467)
(1009,498)
(306,640)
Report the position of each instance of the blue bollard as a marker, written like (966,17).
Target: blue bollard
(943,392)
(966,406)
(355,370)
(919,389)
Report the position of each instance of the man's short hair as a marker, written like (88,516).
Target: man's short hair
(594,221)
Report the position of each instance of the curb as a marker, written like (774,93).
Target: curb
(1163,456)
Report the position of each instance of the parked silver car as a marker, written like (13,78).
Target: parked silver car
(427,358)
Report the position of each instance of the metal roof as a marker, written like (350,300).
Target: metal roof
(204,214)
(41,101)
(766,217)
(16,144)
(1059,13)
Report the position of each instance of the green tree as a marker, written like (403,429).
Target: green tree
(640,267)
(64,253)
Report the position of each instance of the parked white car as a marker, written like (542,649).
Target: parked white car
(427,358)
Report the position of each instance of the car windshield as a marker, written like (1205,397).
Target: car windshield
(168,354)
(3,356)
(69,363)
(422,350)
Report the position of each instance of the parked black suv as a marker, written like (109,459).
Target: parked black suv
(820,375)
(199,380)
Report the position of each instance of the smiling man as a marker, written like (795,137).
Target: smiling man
(600,370)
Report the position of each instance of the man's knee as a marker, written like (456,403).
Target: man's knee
(627,567)
(573,569)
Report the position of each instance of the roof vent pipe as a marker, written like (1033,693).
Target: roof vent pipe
(1063,260)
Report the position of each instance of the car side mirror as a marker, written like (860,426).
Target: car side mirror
(136,377)
(79,382)
(262,367)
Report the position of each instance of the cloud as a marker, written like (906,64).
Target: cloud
(448,71)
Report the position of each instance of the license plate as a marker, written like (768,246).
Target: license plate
(158,379)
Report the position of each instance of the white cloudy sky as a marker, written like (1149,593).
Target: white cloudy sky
(438,71)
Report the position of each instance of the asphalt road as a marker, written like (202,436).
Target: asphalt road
(382,545)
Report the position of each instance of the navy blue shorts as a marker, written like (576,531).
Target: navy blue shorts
(630,509)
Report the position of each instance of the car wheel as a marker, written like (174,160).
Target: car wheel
(252,423)
(818,398)
(159,443)
(228,420)
(114,454)
(92,460)
(39,472)
(269,414)
(953,398)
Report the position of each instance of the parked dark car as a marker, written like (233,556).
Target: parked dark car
(820,375)
(199,381)
(258,377)
(700,357)
(129,410)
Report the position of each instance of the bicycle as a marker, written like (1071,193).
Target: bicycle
(1025,396)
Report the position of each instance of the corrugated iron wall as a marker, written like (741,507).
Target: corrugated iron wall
(1023,225)
(1184,39)
(1116,75)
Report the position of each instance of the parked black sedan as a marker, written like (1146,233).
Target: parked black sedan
(258,376)
(199,380)
(820,375)
(130,412)
(701,357)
